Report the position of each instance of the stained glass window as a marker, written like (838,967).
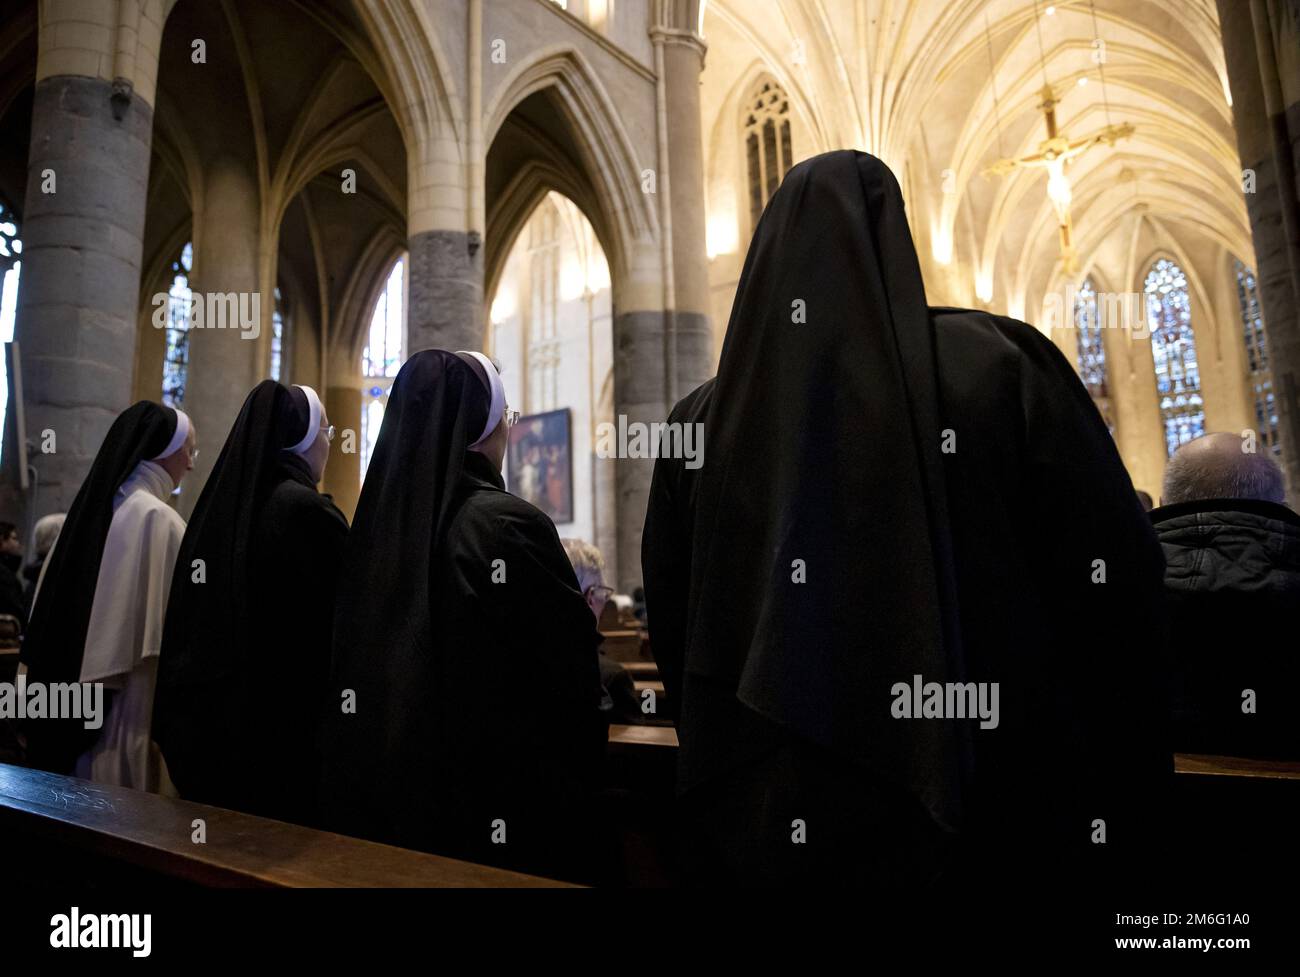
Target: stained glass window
(277,337)
(11,266)
(372,419)
(176,362)
(1092,350)
(382,358)
(1261,378)
(1173,348)
(767,144)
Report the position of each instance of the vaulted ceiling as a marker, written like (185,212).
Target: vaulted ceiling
(942,89)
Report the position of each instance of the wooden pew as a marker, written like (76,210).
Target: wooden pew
(1224,766)
(1232,822)
(624,645)
(645,671)
(639,738)
(117,834)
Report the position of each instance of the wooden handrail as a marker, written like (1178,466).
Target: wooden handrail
(1227,766)
(154,833)
(665,737)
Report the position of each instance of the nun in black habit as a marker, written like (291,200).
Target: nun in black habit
(246,646)
(465,690)
(891,491)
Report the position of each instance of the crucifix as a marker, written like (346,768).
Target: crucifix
(1053,154)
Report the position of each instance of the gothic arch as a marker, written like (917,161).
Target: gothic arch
(615,204)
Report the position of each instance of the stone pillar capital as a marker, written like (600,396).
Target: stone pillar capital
(676,37)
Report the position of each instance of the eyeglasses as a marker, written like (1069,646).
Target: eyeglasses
(512,417)
(329,432)
(600,593)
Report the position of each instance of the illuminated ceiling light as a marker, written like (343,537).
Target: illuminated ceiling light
(1083,81)
(1050,10)
(984,285)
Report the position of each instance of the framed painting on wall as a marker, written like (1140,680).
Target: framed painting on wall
(540,466)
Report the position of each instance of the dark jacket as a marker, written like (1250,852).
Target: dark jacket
(1233,583)
(11,589)
(31,576)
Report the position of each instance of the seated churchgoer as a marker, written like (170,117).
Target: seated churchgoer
(44,534)
(11,561)
(246,649)
(464,713)
(619,700)
(1232,579)
(99,610)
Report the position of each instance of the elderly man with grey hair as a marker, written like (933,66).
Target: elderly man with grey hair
(1232,582)
(589,567)
(44,533)
(619,700)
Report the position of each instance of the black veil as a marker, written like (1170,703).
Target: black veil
(823,438)
(202,640)
(383,629)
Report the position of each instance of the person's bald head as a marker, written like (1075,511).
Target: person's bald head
(1215,467)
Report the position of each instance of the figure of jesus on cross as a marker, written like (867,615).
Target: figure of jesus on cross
(1053,154)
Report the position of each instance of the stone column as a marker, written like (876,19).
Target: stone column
(683,60)
(445,211)
(640,383)
(638,396)
(445,291)
(343,473)
(1261,45)
(223,361)
(83,226)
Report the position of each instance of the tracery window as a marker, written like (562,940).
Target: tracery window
(1092,350)
(1261,378)
(1173,348)
(176,361)
(382,358)
(11,266)
(767,144)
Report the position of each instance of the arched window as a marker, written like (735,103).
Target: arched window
(382,358)
(277,337)
(176,362)
(767,144)
(1261,379)
(11,266)
(1092,351)
(1173,347)
(543,350)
